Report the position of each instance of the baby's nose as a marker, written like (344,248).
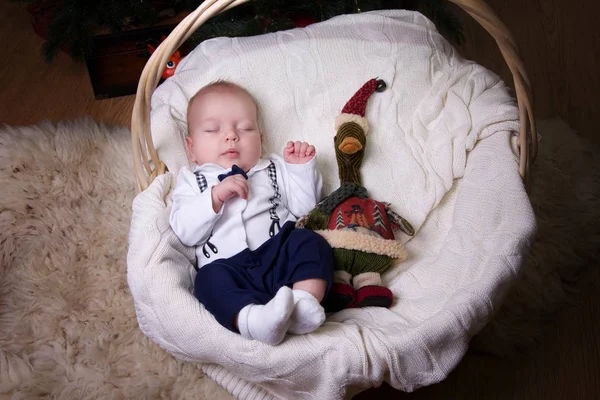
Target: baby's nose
(231,135)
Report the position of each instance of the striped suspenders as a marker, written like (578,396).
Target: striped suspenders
(274,200)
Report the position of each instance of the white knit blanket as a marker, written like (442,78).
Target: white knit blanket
(442,118)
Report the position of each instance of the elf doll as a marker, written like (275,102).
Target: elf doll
(359,229)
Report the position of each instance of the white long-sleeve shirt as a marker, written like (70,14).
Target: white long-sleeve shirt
(240,223)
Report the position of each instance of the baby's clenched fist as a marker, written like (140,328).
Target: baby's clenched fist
(298,152)
(232,186)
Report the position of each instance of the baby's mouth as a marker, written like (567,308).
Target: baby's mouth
(231,153)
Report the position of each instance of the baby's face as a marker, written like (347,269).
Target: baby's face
(223,129)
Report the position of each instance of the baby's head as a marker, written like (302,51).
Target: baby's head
(223,126)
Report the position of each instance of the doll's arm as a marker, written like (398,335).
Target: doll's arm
(399,222)
(314,220)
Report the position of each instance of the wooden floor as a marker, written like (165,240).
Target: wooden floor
(563,63)
(31,90)
(560,45)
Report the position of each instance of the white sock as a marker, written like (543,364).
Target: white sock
(308,314)
(270,322)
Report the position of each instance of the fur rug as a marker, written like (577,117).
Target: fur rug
(67,324)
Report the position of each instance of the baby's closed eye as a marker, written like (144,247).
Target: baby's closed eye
(210,129)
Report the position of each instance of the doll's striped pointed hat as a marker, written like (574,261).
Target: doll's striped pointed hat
(354,110)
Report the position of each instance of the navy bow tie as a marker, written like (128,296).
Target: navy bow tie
(234,171)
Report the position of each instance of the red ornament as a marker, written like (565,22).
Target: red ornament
(171,64)
(41,15)
(301,21)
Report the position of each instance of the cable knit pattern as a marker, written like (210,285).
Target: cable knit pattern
(471,232)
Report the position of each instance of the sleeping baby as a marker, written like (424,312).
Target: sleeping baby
(257,274)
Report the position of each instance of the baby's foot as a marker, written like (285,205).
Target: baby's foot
(268,323)
(308,314)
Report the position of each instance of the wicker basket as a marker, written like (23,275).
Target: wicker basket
(148,164)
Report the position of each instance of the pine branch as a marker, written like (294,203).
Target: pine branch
(437,11)
(76,20)
(234,28)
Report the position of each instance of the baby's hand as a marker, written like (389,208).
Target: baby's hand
(235,185)
(298,152)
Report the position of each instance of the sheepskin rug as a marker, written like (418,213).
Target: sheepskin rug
(67,323)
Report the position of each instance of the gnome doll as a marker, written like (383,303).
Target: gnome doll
(359,229)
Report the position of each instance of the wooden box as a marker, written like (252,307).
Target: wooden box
(119,58)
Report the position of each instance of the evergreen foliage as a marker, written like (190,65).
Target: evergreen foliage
(75,21)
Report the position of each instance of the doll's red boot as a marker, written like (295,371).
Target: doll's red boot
(341,295)
(374,296)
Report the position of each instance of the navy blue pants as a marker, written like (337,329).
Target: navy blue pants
(226,286)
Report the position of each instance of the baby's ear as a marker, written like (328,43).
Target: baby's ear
(189,144)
